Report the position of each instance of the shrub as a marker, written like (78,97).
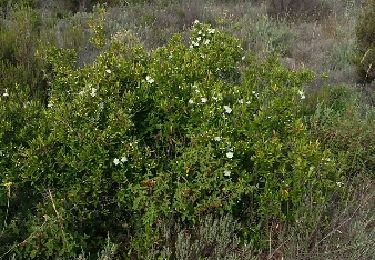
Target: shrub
(365,32)
(308,9)
(345,124)
(211,238)
(268,35)
(20,38)
(139,137)
(6,5)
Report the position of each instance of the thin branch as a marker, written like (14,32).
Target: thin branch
(341,224)
(24,241)
(53,205)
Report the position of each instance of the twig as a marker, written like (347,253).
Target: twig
(364,56)
(270,244)
(278,248)
(370,242)
(58,215)
(53,205)
(340,225)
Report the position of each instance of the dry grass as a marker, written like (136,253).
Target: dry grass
(349,234)
(344,229)
(302,9)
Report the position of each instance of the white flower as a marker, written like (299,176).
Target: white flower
(240,101)
(196,44)
(227,109)
(217,138)
(300,92)
(116,161)
(199,39)
(204,100)
(149,79)
(229,155)
(196,22)
(6,94)
(108,71)
(191,101)
(211,30)
(339,184)
(227,173)
(124,159)
(50,105)
(207,41)
(94,92)
(200,32)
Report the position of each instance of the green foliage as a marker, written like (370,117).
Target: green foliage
(97,27)
(8,4)
(139,137)
(345,123)
(365,32)
(20,37)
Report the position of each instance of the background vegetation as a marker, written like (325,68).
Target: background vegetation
(187,129)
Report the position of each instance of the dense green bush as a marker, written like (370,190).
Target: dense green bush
(139,137)
(365,32)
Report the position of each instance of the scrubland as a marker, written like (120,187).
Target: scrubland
(193,129)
